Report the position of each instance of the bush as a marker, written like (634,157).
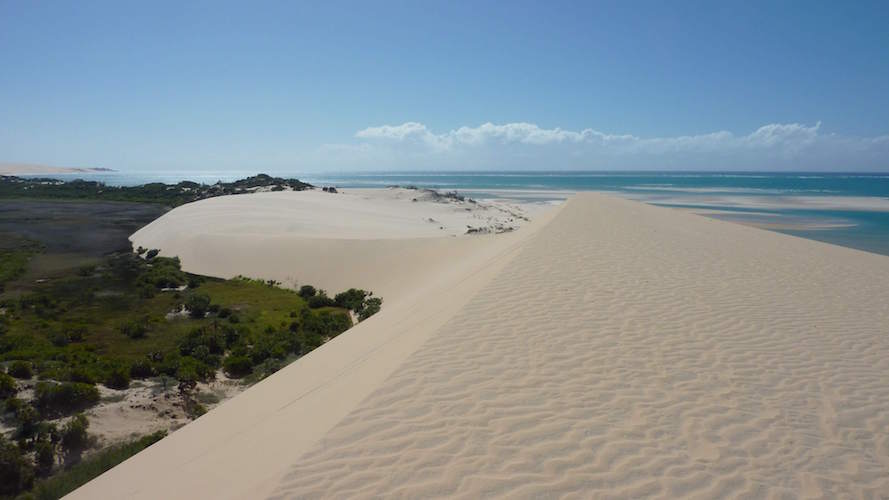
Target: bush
(7,386)
(76,333)
(84,374)
(371,307)
(191,370)
(16,471)
(197,304)
(44,456)
(307,291)
(66,481)
(135,329)
(237,366)
(27,419)
(320,300)
(141,369)
(224,312)
(118,377)
(53,399)
(12,404)
(351,299)
(75,439)
(59,339)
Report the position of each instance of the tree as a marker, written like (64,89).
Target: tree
(307,291)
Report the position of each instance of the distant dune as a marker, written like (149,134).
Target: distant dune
(33,169)
(606,349)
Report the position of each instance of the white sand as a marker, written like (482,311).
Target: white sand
(34,169)
(616,350)
(377,239)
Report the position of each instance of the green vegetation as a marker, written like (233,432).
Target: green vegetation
(167,194)
(54,399)
(14,257)
(69,479)
(130,317)
(80,308)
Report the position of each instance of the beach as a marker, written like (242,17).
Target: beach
(598,348)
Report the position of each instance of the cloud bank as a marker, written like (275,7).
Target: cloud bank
(787,146)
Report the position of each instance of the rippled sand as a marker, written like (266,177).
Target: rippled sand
(619,350)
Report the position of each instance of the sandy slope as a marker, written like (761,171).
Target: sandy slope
(377,239)
(620,350)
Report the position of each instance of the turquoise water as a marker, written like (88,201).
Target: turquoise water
(842,208)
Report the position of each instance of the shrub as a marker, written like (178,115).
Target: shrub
(191,370)
(197,304)
(320,300)
(371,307)
(59,339)
(135,329)
(21,369)
(44,456)
(27,419)
(51,398)
(75,438)
(7,386)
(141,369)
(13,404)
(67,480)
(307,291)
(16,471)
(352,299)
(237,366)
(84,374)
(118,377)
(224,312)
(76,333)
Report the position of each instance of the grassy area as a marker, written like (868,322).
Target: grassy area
(14,257)
(87,325)
(81,309)
(133,317)
(167,194)
(70,479)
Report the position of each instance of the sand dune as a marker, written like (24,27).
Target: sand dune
(34,169)
(377,239)
(617,350)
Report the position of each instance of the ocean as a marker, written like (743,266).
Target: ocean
(849,209)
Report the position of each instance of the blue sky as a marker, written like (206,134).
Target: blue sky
(445,85)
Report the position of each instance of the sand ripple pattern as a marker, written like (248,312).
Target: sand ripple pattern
(633,351)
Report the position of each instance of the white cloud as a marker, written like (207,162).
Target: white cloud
(526,145)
